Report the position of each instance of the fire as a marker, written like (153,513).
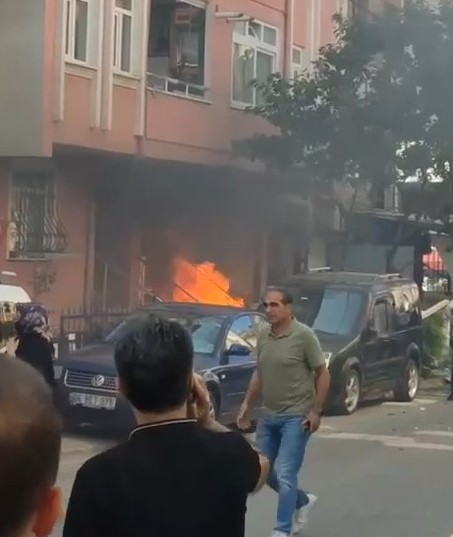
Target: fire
(202,283)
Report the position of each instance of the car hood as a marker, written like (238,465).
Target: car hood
(99,359)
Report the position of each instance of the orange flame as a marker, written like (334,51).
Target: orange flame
(202,283)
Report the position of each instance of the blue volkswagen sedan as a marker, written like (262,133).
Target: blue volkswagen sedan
(224,340)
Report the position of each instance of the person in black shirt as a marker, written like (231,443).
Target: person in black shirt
(180,473)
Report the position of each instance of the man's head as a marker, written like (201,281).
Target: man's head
(278,303)
(30,440)
(154,362)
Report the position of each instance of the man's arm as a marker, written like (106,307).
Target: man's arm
(322,385)
(317,363)
(214,426)
(264,465)
(253,390)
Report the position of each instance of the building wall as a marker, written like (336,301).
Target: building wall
(98,107)
(71,271)
(55,104)
(26,67)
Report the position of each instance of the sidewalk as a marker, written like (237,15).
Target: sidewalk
(434,386)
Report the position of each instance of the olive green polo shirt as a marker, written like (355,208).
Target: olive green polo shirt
(286,365)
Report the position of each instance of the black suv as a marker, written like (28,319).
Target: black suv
(370,329)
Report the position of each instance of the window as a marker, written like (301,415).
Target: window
(300,65)
(35,224)
(380,317)
(176,49)
(335,311)
(244,331)
(206,330)
(406,307)
(254,59)
(76,37)
(122,36)
(359,8)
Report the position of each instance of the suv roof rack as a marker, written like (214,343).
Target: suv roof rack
(320,269)
(392,276)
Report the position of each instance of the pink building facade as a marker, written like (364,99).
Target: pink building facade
(116,132)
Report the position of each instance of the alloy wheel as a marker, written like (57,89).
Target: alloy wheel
(352,392)
(412,381)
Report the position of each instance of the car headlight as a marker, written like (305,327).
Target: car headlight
(327,357)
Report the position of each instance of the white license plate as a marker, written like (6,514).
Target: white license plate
(88,400)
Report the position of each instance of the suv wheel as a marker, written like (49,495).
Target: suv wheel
(407,387)
(350,393)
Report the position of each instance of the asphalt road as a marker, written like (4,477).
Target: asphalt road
(385,471)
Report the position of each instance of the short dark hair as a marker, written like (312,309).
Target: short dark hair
(30,443)
(287,297)
(154,362)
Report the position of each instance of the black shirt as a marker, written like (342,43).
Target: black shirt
(170,479)
(38,352)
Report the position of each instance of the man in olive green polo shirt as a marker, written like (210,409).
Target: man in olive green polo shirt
(293,380)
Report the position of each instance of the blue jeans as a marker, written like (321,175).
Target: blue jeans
(285,438)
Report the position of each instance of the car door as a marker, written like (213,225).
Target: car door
(239,367)
(378,347)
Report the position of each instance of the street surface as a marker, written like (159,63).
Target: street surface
(385,471)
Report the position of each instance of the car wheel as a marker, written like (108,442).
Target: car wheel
(407,387)
(350,393)
(214,406)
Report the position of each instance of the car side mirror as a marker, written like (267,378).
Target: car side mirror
(237,350)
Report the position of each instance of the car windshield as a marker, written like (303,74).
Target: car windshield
(329,310)
(205,329)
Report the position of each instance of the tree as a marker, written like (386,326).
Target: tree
(376,109)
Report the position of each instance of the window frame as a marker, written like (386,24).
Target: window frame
(258,45)
(390,313)
(70,10)
(119,14)
(298,68)
(168,81)
(255,318)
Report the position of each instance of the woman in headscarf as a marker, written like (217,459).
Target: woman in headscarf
(35,346)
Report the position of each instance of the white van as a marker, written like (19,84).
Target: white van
(14,294)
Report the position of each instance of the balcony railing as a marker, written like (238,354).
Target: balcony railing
(166,84)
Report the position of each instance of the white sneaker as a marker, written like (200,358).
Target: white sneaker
(279,534)
(301,515)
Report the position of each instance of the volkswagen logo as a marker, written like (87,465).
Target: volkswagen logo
(98,381)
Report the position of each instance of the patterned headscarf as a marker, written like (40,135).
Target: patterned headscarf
(32,317)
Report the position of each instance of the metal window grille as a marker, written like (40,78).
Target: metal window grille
(34,214)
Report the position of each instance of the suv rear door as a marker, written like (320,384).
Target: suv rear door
(379,349)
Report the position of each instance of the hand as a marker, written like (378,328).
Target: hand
(312,422)
(243,421)
(198,405)
(11,346)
